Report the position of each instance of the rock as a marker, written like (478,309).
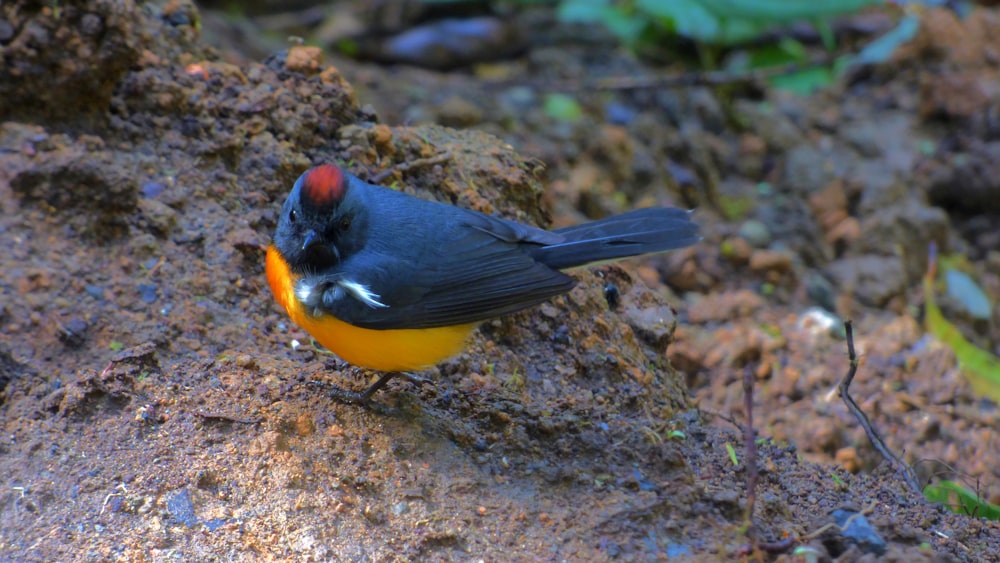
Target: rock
(181,508)
(910,226)
(459,112)
(809,168)
(856,529)
(756,233)
(848,459)
(873,279)
(447,43)
(821,291)
(736,249)
(304,59)
(844,232)
(654,324)
(73,332)
(160,217)
(725,306)
(770,261)
(829,204)
(777,130)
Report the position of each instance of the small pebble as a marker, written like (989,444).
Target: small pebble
(756,233)
(770,260)
(859,530)
(148,293)
(74,332)
(304,59)
(95,291)
(619,114)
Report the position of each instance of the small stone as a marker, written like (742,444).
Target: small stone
(874,280)
(459,112)
(736,249)
(246,361)
(304,59)
(856,528)
(848,459)
(725,306)
(161,217)
(73,332)
(152,189)
(304,425)
(181,508)
(655,325)
(95,291)
(770,261)
(618,113)
(148,293)
(756,233)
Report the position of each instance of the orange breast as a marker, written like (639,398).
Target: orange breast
(383,350)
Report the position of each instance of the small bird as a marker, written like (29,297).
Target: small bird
(395,283)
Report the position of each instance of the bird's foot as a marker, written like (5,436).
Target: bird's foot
(363,397)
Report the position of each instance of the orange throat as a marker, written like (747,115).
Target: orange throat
(383,350)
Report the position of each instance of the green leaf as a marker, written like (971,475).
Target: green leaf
(562,107)
(786,51)
(881,49)
(979,366)
(688,18)
(961,500)
(583,11)
(805,81)
(732,454)
(783,11)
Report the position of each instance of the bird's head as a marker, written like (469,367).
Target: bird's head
(322,221)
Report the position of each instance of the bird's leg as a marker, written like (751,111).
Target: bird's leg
(362,397)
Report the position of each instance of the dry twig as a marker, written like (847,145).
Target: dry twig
(866,424)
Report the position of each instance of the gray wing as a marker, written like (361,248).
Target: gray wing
(478,270)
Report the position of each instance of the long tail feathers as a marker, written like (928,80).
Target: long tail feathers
(642,231)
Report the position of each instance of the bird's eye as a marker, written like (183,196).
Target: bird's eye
(345,224)
(292,216)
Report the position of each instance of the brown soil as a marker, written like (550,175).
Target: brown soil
(154,407)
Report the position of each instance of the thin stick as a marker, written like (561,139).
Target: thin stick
(866,424)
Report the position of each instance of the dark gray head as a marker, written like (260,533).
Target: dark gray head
(323,221)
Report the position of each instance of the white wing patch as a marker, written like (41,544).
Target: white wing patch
(362,294)
(310,293)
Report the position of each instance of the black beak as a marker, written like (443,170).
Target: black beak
(311,239)
(314,244)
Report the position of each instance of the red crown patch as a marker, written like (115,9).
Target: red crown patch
(324,185)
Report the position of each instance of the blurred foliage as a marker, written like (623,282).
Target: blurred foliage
(648,26)
(714,22)
(980,367)
(961,500)
(562,107)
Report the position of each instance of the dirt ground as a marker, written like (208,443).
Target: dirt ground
(157,406)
